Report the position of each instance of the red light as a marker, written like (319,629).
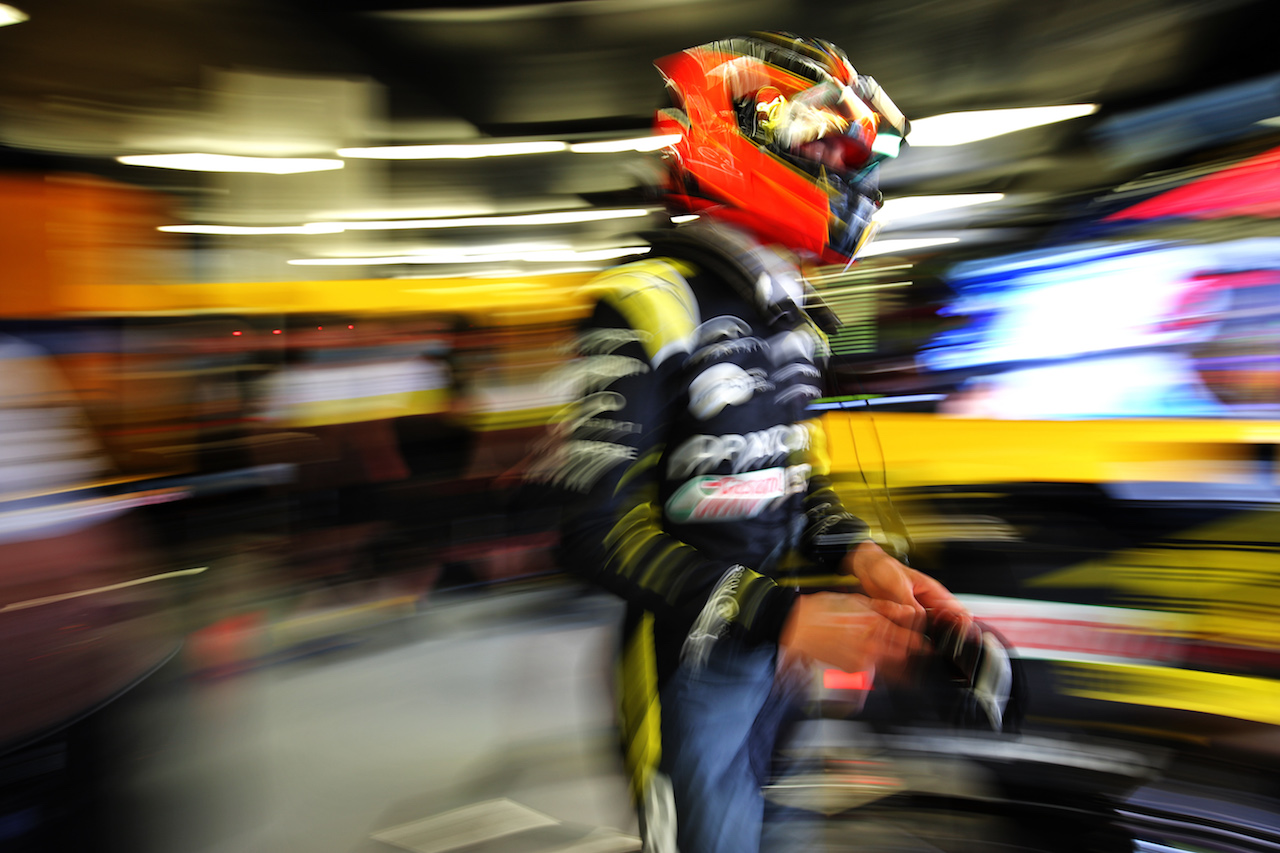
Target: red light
(275,331)
(237,333)
(838,679)
(350,325)
(319,328)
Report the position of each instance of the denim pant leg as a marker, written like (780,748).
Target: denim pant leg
(718,726)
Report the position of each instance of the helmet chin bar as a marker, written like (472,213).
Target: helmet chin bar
(848,233)
(853,221)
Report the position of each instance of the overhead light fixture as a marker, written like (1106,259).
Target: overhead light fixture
(245,230)
(975,125)
(889,247)
(462,257)
(10,15)
(611,146)
(553,217)
(556,217)
(473,150)
(233,163)
(897,210)
(460,151)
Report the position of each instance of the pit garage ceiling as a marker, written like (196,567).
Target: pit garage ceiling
(82,82)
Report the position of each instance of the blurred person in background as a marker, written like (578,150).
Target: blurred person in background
(347,396)
(693,473)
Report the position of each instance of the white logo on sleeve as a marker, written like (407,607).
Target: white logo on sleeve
(725,349)
(723,385)
(800,392)
(796,345)
(578,464)
(713,622)
(721,337)
(605,341)
(723,328)
(594,372)
(598,403)
(797,369)
(586,417)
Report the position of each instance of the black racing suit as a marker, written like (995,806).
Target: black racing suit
(690,464)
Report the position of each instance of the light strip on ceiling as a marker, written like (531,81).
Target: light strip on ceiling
(456,257)
(888,247)
(248,230)
(461,151)
(896,210)
(975,125)
(473,150)
(10,15)
(555,217)
(233,163)
(612,146)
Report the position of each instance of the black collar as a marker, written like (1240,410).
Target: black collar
(758,274)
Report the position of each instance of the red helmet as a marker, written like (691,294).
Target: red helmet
(780,135)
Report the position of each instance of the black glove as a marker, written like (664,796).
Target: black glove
(981,682)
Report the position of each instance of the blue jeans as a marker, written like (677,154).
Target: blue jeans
(719,726)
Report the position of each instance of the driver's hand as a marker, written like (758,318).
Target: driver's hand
(885,579)
(851,632)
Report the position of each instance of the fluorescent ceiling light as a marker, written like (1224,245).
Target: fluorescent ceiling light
(460,257)
(555,217)
(233,163)
(685,217)
(888,247)
(610,146)
(908,207)
(242,230)
(10,15)
(553,9)
(964,127)
(464,151)
(471,150)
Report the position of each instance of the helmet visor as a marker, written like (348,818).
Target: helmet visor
(827,124)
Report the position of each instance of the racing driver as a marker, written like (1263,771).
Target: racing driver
(694,475)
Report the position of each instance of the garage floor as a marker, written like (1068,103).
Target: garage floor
(480,722)
(371,739)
